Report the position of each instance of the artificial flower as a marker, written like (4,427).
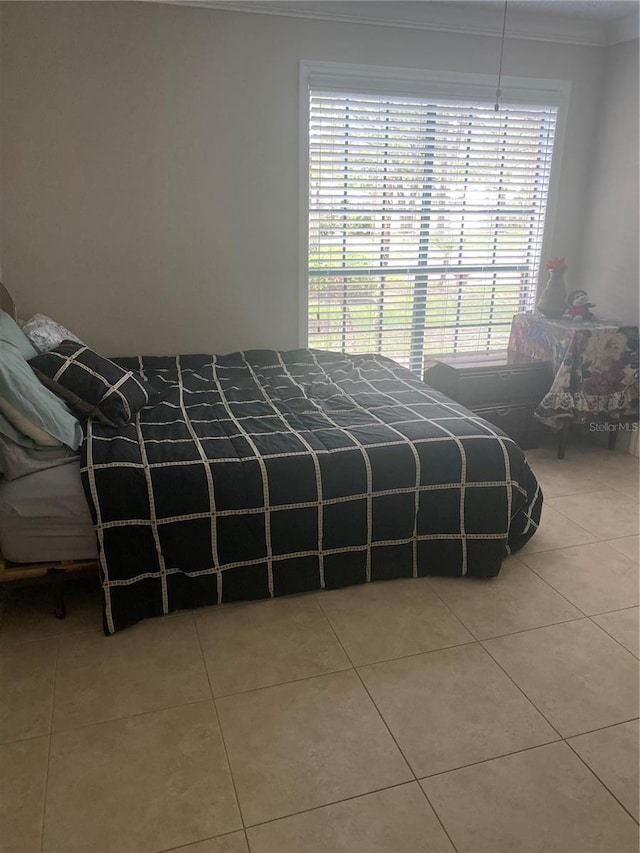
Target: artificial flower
(556,264)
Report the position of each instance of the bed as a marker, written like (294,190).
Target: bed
(44,517)
(266,473)
(46,534)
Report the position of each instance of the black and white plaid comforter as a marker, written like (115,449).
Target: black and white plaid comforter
(265,473)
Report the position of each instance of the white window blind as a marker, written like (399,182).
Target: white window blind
(426,218)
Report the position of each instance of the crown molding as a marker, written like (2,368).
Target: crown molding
(624,29)
(438,16)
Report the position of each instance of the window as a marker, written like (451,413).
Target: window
(426,217)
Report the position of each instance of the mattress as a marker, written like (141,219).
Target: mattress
(44,517)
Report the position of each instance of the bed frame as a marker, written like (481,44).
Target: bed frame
(53,573)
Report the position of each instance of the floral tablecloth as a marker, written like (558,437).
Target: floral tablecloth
(595,365)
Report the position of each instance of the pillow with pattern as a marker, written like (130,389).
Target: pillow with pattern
(45,334)
(93,385)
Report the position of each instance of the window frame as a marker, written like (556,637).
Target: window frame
(422,82)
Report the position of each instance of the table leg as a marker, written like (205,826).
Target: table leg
(612,439)
(564,435)
(58,601)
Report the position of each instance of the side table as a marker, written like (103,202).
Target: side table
(595,367)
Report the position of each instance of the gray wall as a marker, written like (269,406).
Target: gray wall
(609,257)
(150,162)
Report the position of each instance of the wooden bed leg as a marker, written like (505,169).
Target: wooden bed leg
(53,575)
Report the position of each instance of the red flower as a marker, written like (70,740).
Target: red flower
(556,264)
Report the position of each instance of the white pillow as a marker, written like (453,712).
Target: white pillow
(26,404)
(17,461)
(26,427)
(45,334)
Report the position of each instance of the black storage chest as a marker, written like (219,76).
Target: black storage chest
(504,394)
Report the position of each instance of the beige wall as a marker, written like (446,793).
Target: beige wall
(609,256)
(150,162)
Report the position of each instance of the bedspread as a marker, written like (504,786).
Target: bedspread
(263,473)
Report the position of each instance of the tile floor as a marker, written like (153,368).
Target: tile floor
(403,717)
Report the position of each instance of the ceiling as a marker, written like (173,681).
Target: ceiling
(591,22)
